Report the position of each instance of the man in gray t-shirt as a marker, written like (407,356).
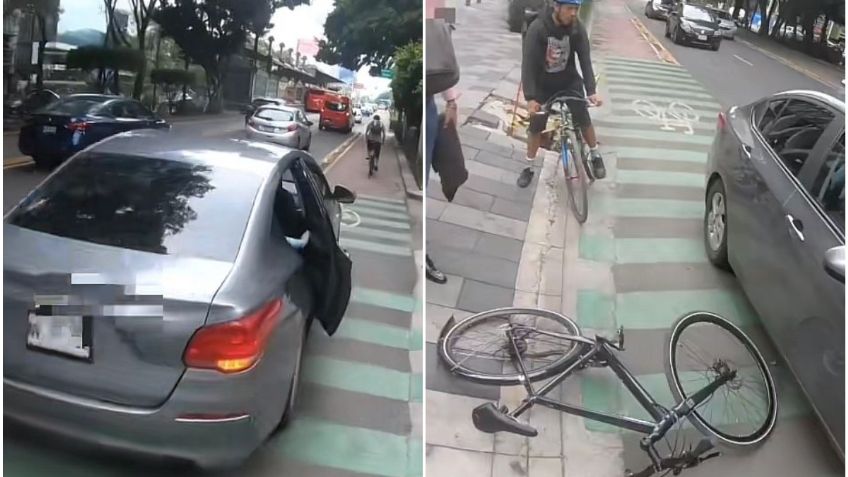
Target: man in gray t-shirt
(375,136)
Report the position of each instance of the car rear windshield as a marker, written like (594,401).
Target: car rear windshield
(275,115)
(694,13)
(336,106)
(720,14)
(142,203)
(74,106)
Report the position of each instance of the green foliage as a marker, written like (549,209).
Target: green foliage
(89,58)
(361,32)
(407,83)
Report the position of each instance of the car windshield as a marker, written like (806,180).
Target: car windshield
(695,13)
(336,106)
(270,114)
(720,14)
(142,203)
(75,106)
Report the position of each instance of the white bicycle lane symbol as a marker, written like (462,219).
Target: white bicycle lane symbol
(349,217)
(675,115)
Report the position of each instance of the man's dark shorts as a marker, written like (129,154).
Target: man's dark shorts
(579,114)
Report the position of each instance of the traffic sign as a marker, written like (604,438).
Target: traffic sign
(387,74)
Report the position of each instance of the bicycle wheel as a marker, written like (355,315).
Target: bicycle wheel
(575,178)
(370,166)
(743,411)
(478,347)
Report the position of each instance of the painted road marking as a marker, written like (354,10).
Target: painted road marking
(644,251)
(378,333)
(379,205)
(387,200)
(640,62)
(655,73)
(375,247)
(358,377)
(379,234)
(711,107)
(383,299)
(392,224)
(660,154)
(649,89)
(656,310)
(641,74)
(649,208)
(743,60)
(699,139)
(676,115)
(683,179)
(623,81)
(364,210)
(353,449)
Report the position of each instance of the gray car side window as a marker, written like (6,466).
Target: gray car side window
(794,130)
(829,187)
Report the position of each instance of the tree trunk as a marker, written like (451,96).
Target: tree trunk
(737,5)
(823,34)
(185,58)
(765,16)
(42,43)
(255,48)
(138,86)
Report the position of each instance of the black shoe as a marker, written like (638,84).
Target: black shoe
(376,166)
(599,171)
(525,177)
(434,274)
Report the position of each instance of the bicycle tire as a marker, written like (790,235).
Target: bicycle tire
(673,374)
(513,378)
(370,166)
(572,174)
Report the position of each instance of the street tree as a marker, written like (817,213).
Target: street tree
(362,32)
(209,32)
(407,83)
(102,59)
(172,80)
(142,12)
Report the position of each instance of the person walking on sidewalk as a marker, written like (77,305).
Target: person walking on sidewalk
(548,68)
(375,136)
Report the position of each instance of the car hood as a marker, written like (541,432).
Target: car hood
(703,24)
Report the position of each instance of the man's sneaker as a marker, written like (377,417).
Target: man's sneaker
(525,177)
(599,171)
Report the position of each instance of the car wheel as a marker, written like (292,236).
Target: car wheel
(667,32)
(648,9)
(715,225)
(675,37)
(716,45)
(291,400)
(45,162)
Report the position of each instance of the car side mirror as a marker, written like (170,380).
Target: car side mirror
(344,195)
(834,263)
(309,123)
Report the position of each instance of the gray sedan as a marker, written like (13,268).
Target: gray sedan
(158,294)
(775,215)
(282,125)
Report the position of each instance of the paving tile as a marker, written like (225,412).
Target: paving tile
(484,221)
(439,377)
(515,210)
(479,297)
(499,189)
(545,467)
(437,316)
(455,236)
(494,173)
(446,294)
(447,462)
(469,153)
(497,246)
(449,422)
(435,208)
(474,199)
(515,165)
(510,466)
(468,132)
(474,266)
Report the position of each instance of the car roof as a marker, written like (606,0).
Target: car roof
(279,107)
(252,156)
(823,97)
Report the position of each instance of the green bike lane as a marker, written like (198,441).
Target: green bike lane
(359,387)
(644,237)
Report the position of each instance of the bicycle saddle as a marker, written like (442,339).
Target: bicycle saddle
(488,418)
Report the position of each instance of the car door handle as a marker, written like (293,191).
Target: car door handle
(797,227)
(747,150)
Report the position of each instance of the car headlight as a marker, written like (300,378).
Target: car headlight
(686,26)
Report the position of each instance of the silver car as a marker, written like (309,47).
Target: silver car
(775,216)
(282,125)
(153,302)
(726,23)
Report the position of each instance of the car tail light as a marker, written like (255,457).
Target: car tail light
(236,345)
(292,127)
(78,126)
(722,121)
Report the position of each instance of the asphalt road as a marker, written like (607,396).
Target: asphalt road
(18,181)
(736,73)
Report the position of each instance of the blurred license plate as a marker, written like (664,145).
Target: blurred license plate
(267,128)
(60,334)
(49,130)
(702,37)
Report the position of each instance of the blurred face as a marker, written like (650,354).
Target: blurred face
(566,14)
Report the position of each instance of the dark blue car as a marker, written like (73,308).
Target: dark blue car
(75,122)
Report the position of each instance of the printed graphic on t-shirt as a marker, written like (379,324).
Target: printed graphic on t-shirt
(556,56)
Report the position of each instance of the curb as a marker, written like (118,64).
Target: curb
(410,187)
(662,53)
(18,162)
(336,154)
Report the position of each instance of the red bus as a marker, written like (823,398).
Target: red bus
(313,102)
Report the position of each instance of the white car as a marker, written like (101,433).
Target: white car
(357,116)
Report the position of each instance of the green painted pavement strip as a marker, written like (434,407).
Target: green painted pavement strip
(358,377)
(625,82)
(353,449)
(621,60)
(637,250)
(375,247)
(653,208)
(674,136)
(380,213)
(607,394)
(617,74)
(595,310)
(655,72)
(659,154)
(659,310)
(378,333)
(380,205)
(30,461)
(382,299)
(377,233)
(670,93)
(386,200)
(700,106)
(682,179)
(392,224)
(704,125)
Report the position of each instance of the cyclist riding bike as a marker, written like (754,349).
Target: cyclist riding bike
(549,67)
(375,136)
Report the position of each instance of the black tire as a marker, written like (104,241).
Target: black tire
(308,143)
(716,334)
(667,31)
(291,399)
(46,163)
(575,180)
(716,45)
(648,10)
(715,226)
(370,166)
(453,330)
(675,37)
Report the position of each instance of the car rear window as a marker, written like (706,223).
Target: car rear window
(142,203)
(74,106)
(694,13)
(332,106)
(275,115)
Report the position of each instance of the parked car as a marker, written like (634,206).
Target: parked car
(336,114)
(516,13)
(154,302)
(658,9)
(725,22)
(775,216)
(258,103)
(281,125)
(693,24)
(54,133)
(33,101)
